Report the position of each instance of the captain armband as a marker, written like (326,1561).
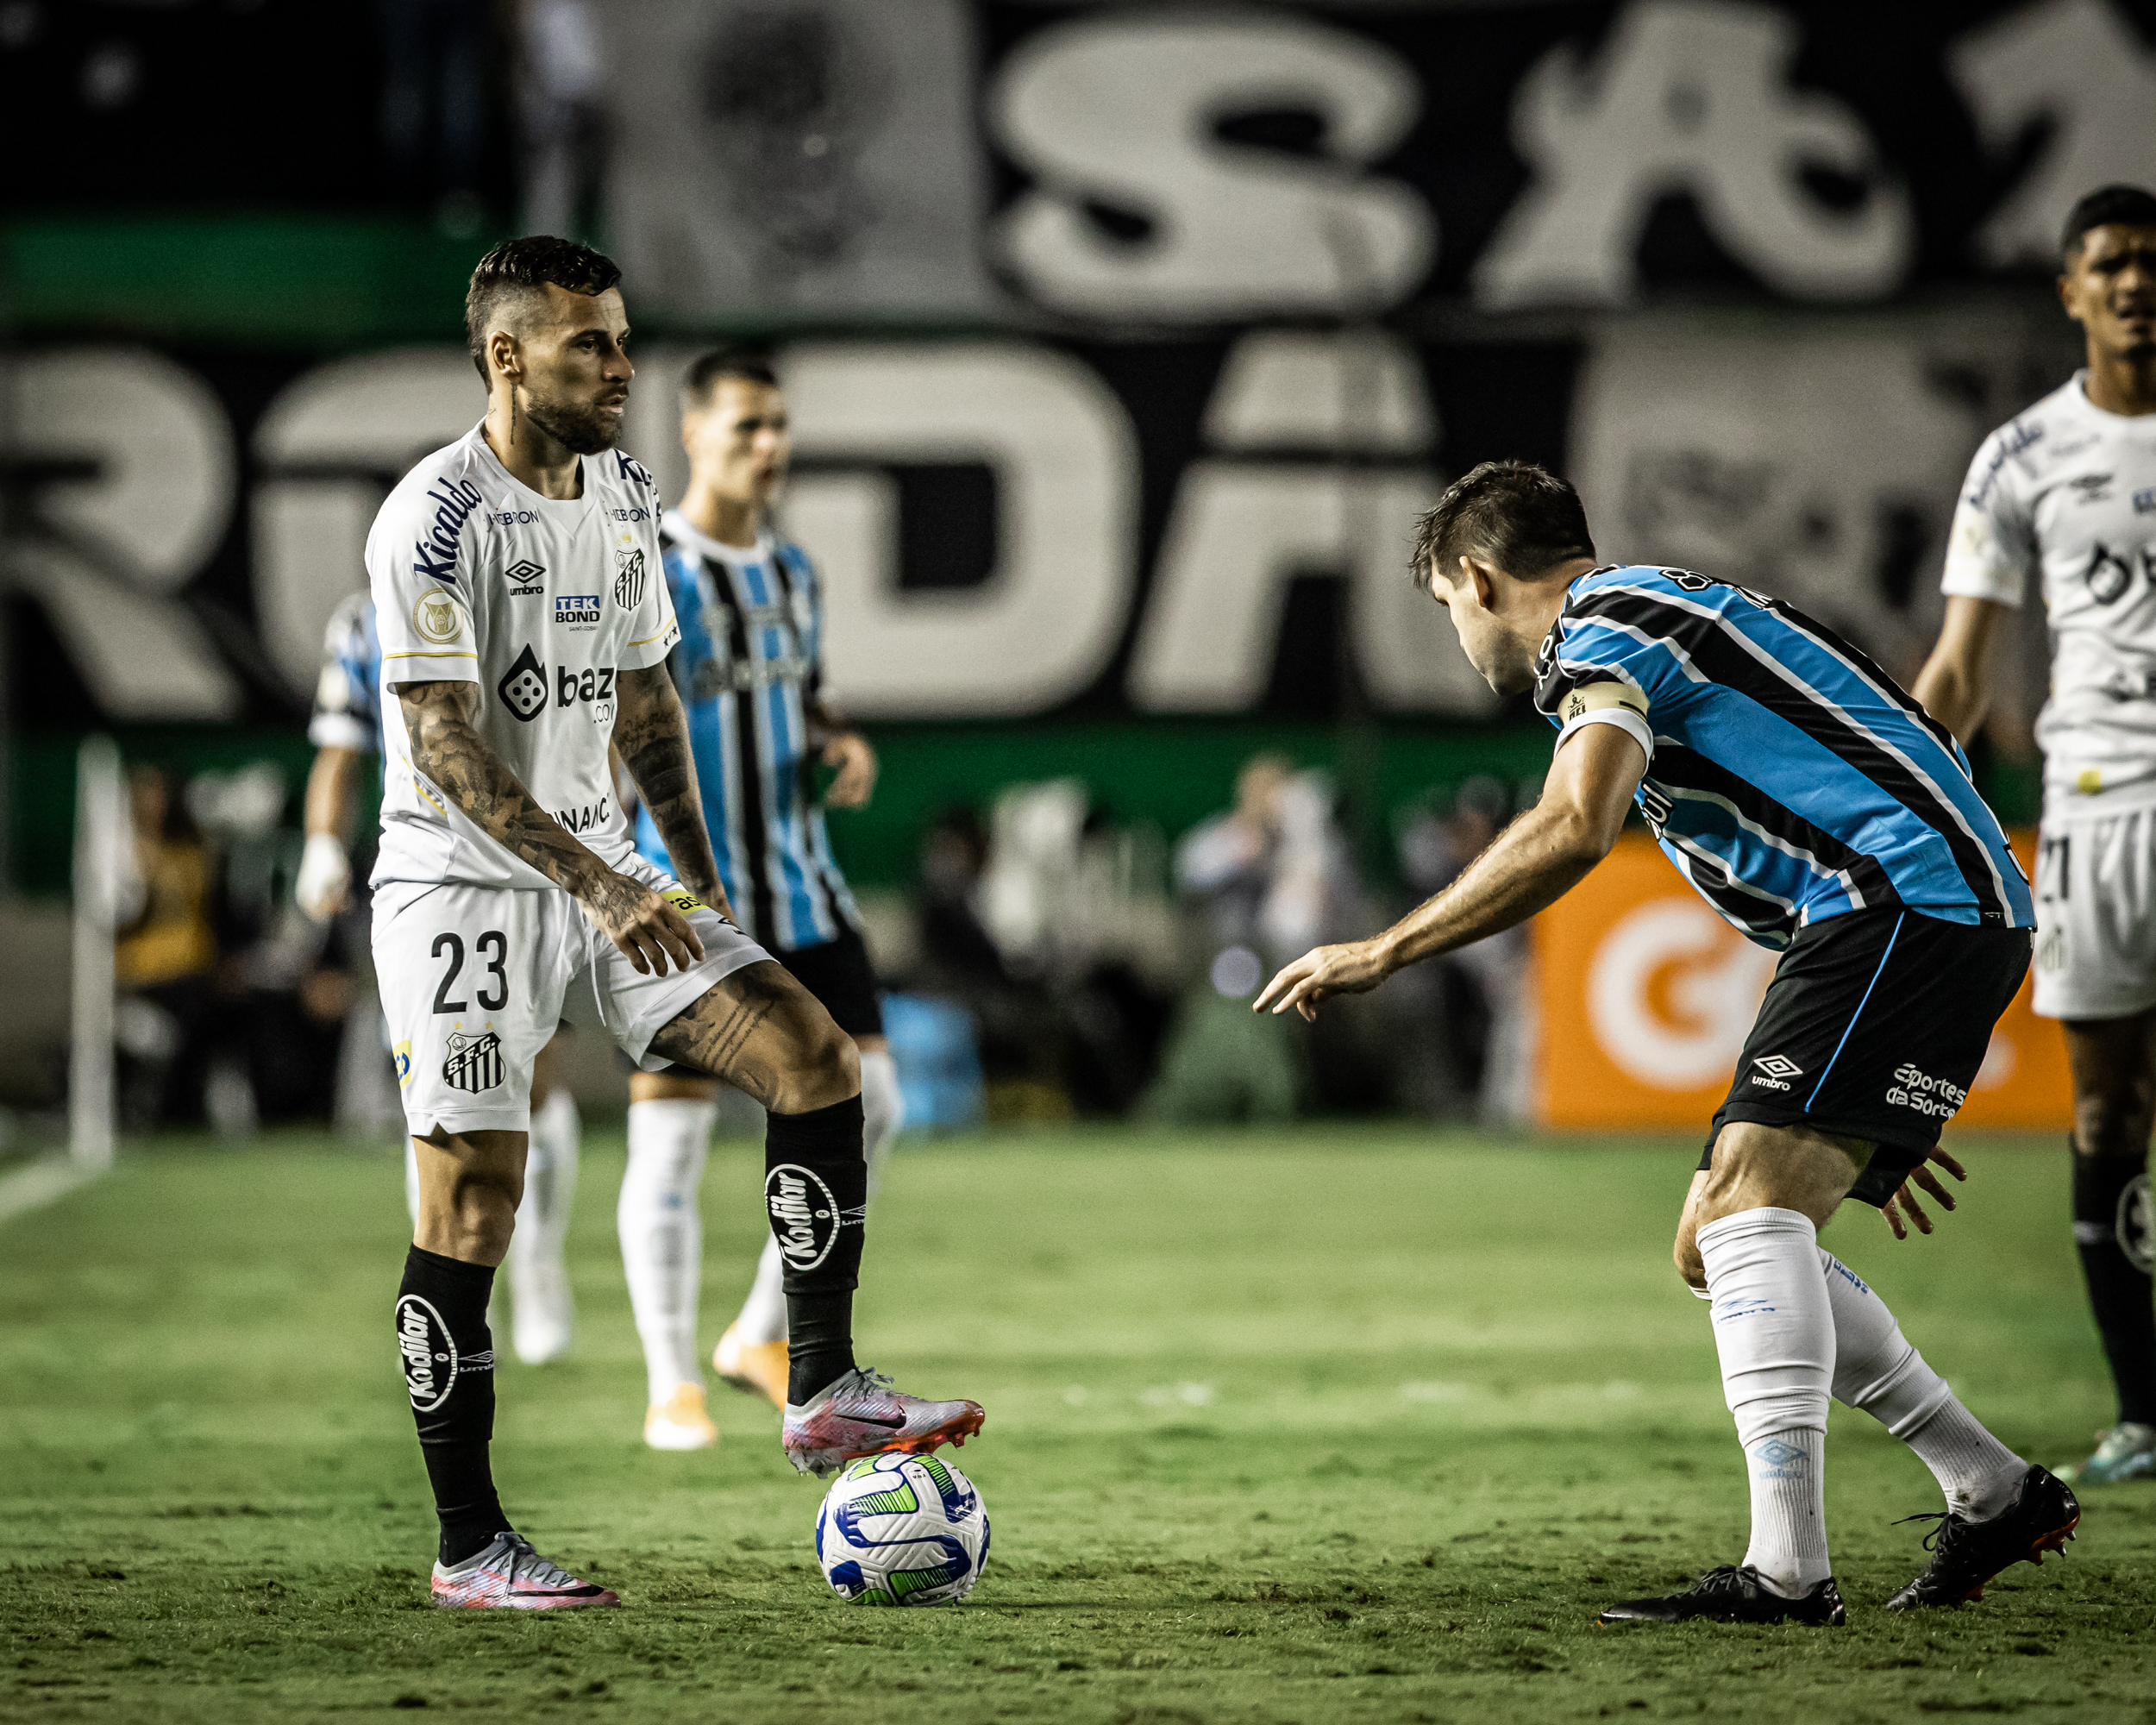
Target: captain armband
(1617,704)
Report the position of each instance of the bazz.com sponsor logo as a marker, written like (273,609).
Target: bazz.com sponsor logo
(578,610)
(475,1062)
(434,614)
(1775,1072)
(435,557)
(628,584)
(1933,1098)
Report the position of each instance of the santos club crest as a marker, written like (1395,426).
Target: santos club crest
(628,583)
(475,1061)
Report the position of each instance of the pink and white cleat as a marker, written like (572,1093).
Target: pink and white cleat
(509,1576)
(860,1415)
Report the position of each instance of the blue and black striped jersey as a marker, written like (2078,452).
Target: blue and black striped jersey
(1788,778)
(748,665)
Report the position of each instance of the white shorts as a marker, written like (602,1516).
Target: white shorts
(475,980)
(2095,916)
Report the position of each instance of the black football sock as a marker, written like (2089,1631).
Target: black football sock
(2119,1287)
(816,1187)
(449,1370)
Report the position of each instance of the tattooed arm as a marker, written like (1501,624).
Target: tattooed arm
(651,734)
(447,746)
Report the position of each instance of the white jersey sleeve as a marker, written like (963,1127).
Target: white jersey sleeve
(640,581)
(422,610)
(1991,550)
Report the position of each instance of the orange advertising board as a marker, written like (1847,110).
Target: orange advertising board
(1647,996)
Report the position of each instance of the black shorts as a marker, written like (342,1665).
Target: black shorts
(838,973)
(1874,1027)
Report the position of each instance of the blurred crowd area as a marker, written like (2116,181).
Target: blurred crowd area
(1050,962)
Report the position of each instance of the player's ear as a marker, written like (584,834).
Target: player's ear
(503,356)
(1482,578)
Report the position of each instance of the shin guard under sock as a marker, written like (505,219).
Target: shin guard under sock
(2111,1230)
(449,1372)
(816,1188)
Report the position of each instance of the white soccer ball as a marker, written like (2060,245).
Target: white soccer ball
(902,1530)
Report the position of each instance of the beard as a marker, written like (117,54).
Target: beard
(579,428)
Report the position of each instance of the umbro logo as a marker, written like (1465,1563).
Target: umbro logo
(2093,487)
(524,577)
(1775,1072)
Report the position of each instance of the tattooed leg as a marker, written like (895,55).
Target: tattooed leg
(765,1035)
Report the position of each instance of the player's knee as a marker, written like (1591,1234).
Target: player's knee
(1690,1265)
(823,1067)
(2112,1123)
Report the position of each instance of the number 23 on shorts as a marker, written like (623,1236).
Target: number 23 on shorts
(490,986)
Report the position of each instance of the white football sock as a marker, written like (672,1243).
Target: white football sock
(662,1233)
(1775,1332)
(762,1315)
(411,1182)
(540,1310)
(882,1110)
(1877,1369)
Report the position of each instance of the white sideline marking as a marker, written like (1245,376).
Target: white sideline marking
(40,1183)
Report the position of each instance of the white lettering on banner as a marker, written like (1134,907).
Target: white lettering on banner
(1065,460)
(1690,96)
(366,420)
(101,553)
(1672,993)
(1821,466)
(2080,66)
(1241,530)
(1122,111)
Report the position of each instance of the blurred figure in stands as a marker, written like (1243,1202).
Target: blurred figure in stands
(1472,1006)
(1260,880)
(164,961)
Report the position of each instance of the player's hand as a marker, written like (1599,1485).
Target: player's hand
(1904,1198)
(323,885)
(1321,974)
(851,753)
(646,929)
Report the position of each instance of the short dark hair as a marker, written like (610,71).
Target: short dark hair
(747,364)
(1522,518)
(518,266)
(2128,205)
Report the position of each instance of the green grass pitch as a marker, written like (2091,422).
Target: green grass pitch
(1338,1424)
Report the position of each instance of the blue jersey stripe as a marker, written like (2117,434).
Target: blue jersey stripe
(1792,778)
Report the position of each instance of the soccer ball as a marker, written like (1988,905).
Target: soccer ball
(902,1530)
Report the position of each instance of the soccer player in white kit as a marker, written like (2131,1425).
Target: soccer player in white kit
(2067,491)
(525,623)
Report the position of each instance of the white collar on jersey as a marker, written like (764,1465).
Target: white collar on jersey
(762,552)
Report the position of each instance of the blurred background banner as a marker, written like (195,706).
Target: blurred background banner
(1646,997)
(1123,344)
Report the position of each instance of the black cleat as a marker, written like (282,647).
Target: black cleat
(1965,1554)
(1734,1595)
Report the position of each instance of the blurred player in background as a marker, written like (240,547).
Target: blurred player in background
(347,732)
(1816,808)
(2067,491)
(748,668)
(525,623)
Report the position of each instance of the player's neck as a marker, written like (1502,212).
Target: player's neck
(727,520)
(533,457)
(2123,384)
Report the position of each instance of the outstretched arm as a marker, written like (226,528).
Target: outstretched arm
(1954,685)
(447,746)
(1533,863)
(651,734)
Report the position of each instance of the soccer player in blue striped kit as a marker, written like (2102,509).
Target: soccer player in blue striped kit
(1818,808)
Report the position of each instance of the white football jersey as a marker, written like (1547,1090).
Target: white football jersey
(2069,491)
(477,578)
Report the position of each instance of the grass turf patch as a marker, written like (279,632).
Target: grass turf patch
(1334,1424)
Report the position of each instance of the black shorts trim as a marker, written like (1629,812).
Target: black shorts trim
(1874,1027)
